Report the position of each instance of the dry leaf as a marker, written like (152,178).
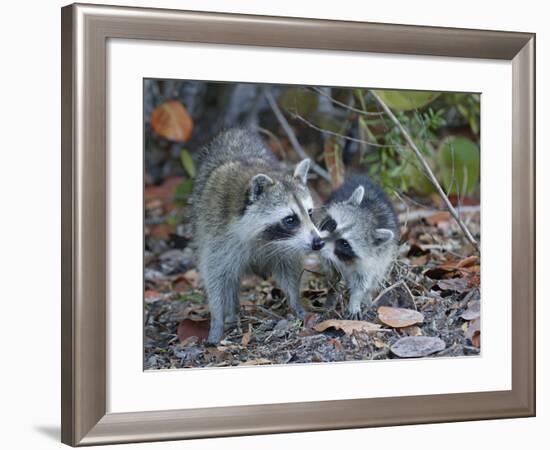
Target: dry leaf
(164,192)
(162,231)
(437,218)
(193,278)
(336,344)
(473,333)
(246,338)
(442,272)
(172,121)
(473,311)
(476,339)
(188,327)
(469,261)
(417,346)
(152,296)
(474,280)
(419,260)
(256,362)
(417,250)
(399,317)
(454,284)
(333,160)
(311,319)
(413,330)
(347,326)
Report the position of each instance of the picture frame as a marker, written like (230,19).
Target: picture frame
(85,31)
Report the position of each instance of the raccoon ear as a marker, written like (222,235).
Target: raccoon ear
(383,235)
(301,170)
(357,197)
(258,183)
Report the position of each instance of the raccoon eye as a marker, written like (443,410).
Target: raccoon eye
(310,213)
(343,250)
(291,221)
(329,224)
(343,243)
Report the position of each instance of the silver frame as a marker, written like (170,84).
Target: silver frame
(85,30)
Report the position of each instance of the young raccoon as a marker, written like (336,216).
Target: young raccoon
(361,232)
(250,216)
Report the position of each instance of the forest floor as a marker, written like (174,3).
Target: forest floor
(429,306)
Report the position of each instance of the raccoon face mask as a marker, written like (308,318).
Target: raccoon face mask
(351,235)
(278,211)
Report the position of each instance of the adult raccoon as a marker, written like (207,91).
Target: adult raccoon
(361,231)
(250,215)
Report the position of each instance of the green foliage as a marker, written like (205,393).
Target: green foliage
(187,163)
(468,107)
(391,162)
(299,100)
(193,297)
(458,163)
(183,191)
(406,100)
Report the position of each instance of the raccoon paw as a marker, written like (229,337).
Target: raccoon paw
(299,313)
(353,315)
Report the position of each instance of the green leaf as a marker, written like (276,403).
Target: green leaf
(416,179)
(194,297)
(407,100)
(299,100)
(183,190)
(187,163)
(458,160)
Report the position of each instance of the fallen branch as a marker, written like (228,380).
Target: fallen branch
(292,137)
(412,216)
(427,170)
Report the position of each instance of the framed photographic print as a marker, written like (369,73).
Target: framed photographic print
(281,225)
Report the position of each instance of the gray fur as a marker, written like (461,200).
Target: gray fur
(366,219)
(241,191)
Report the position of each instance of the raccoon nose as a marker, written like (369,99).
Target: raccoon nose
(317,243)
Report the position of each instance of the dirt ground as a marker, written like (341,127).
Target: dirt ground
(428,307)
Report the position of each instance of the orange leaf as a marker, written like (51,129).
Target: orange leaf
(152,296)
(435,219)
(172,121)
(469,261)
(165,192)
(188,328)
(162,231)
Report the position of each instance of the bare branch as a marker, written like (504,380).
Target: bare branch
(346,106)
(427,170)
(339,135)
(292,137)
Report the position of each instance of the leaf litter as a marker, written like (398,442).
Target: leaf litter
(429,305)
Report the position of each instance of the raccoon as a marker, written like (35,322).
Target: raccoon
(250,216)
(361,231)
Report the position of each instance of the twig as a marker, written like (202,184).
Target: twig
(339,135)
(427,170)
(292,137)
(275,138)
(346,106)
